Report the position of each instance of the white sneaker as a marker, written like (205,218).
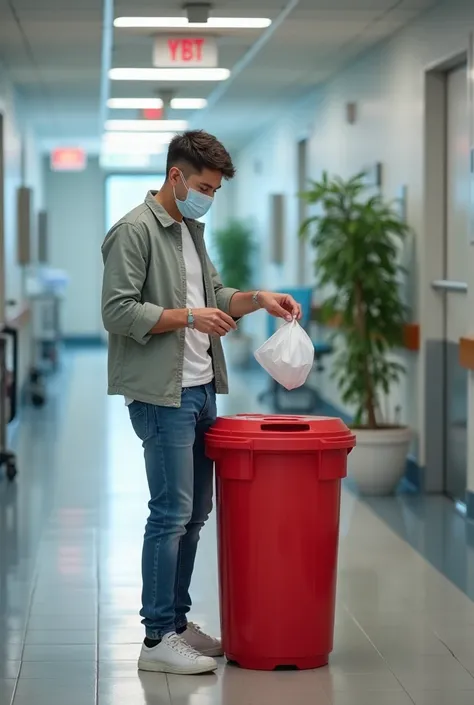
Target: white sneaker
(205,644)
(174,655)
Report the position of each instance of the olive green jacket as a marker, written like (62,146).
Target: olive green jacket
(145,273)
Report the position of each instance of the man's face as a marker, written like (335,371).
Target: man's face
(208,181)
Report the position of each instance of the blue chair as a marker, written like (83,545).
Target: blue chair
(304,296)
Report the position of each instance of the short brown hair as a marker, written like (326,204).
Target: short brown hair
(199,150)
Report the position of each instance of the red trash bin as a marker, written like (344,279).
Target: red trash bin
(278,499)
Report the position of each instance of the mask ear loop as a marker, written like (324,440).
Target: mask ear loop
(185,184)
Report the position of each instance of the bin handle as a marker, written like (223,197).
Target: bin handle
(231,444)
(337,443)
(285,426)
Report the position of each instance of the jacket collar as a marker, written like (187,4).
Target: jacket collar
(161,214)
(164,217)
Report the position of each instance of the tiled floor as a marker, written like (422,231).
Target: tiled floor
(70,541)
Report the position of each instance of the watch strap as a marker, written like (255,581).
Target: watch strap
(190,318)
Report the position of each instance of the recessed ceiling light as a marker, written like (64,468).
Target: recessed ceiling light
(169,74)
(188,103)
(118,139)
(135,103)
(146,125)
(183,23)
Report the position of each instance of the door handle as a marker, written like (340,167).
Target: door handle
(449,285)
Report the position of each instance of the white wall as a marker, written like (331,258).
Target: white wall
(22,166)
(12,166)
(388,86)
(75,204)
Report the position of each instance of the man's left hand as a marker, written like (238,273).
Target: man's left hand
(280,305)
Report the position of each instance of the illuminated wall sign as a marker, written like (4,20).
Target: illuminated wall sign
(68,159)
(190,52)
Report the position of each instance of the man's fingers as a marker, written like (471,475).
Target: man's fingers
(293,306)
(280,312)
(221,331)
(225,326)
(228,320)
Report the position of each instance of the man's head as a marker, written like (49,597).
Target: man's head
(203,162)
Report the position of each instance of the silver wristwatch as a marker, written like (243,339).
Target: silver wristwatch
(190,318)
(255,299)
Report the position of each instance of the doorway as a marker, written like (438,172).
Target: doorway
(446,258)
(123,192)
(456,321)
(302,179)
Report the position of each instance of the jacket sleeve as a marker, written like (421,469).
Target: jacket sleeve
(125,253)
(223,293)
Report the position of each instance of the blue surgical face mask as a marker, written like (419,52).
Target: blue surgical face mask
(195,205)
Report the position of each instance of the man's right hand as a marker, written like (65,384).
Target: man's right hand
(213,321)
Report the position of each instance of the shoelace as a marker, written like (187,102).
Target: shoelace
(198,630)
(182,647)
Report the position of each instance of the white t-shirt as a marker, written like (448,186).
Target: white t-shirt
(197,367)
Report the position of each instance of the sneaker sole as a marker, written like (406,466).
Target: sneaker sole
(213,653)
(158,667)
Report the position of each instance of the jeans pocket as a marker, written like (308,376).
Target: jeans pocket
(138,412)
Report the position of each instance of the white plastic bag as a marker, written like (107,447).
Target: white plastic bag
(288,355)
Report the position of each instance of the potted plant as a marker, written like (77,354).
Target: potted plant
(234,246)
(357,237)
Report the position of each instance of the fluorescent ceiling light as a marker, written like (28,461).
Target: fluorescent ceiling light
(158,137)
(188,103)
(169,74)
(132,148)
(183,23)
(148,142)
(135,103)
(155,103)
(146,125)
(111,160)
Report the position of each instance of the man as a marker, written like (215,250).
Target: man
(166,310)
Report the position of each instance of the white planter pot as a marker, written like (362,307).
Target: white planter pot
(377,463)
(237,347)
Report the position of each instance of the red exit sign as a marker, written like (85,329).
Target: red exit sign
(152,113)
(68,159)
(185,51)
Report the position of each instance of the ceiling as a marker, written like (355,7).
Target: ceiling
(53,52)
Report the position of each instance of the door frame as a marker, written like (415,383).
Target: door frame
(433,267)
(2,222)
(302,178)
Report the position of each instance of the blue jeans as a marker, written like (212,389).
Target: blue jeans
(180,479)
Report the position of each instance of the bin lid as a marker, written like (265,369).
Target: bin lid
(258,425)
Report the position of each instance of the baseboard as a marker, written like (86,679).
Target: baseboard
(14,426)
(84,341)
(469,505)
(413,481)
